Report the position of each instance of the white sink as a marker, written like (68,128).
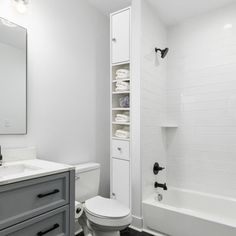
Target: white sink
(12,170)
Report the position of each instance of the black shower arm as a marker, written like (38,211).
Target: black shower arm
(157,49)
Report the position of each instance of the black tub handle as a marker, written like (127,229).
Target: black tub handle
(55,226)
(157,168)
(41,195)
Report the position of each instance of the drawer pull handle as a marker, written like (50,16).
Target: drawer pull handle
(48,230)
(119,149)
(41,195)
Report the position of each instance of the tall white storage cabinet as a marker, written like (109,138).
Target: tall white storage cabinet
(120,79)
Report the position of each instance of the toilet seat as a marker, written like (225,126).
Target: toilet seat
(106,208)
(107,212)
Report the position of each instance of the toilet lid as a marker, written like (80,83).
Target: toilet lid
(105,207)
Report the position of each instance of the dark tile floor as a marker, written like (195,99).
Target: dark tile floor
(128,232)
(131,232)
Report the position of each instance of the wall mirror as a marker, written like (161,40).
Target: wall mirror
(13,78)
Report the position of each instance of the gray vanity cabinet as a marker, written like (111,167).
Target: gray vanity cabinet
(54,223)
(37,207)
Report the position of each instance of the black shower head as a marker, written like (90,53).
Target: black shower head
(163,51)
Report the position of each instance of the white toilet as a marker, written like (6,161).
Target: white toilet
(102,216)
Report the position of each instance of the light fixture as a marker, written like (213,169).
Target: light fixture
(21,5)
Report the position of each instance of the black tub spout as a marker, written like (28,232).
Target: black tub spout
(163,186)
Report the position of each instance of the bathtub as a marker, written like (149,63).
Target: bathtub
(189,213)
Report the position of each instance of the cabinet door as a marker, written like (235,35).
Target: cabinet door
(120,36)
(121,181)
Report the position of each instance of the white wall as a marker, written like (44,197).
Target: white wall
(201,98)
(153,80)
(136,165)
(68,82)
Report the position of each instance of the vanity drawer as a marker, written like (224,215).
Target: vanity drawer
(23,200)
(53,223)
(120,149)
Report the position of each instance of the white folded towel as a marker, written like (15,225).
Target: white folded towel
(121,133)
(122,72)
(122,118)
(122,89)
(122,86)
(122,83)
(123,114)
(122,77)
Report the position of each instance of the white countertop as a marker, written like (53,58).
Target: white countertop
(29,169)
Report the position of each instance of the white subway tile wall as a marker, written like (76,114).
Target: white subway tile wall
(201,98)
(153,80)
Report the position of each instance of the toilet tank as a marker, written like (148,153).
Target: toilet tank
(87,178)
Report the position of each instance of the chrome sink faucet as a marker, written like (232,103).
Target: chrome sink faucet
(1,161)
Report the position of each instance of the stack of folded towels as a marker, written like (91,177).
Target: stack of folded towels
(124,117)
(122,74)
(122,86)
(122,133)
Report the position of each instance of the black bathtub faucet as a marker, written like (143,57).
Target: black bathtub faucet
(158,185)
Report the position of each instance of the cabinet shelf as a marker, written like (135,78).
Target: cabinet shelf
(120,63)
(125,139)
(120,109)
(123,92)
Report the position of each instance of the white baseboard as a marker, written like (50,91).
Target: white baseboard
(137,223)
(78,231)
(136,229)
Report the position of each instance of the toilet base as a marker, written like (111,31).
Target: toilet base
(88,230)
(83,223)
(98,230)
